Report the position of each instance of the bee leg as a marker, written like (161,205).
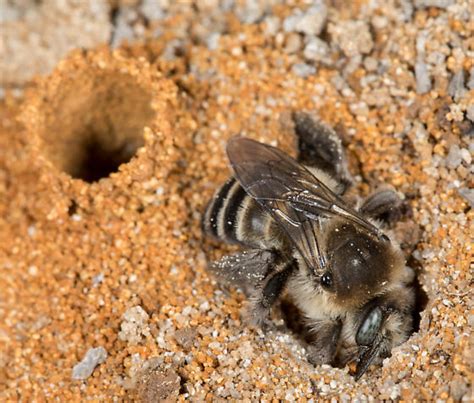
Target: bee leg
(322,349)
(246,270)
(262,301)
(384,205)
(320,147)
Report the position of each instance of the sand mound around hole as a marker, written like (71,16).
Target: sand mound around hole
(103,119)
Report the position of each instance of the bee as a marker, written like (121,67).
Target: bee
(305,238)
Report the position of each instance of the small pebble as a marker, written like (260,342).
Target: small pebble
(251,12)
(370,63)
(316,50)
(468,194)
(454,158)
(466,156)
(433,3)
(290,22)
(160,386)
(312,22)
(134,326)
(93,357)
(152,10)
(470,83)
(272,25)
(303,70)
(353,37)
(456,87)
(470,112)
(423,80)
(293,43)
(212,41)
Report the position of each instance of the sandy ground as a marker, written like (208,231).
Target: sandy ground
(106,166)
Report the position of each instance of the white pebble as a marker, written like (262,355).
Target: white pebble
(93,357)
(423,80)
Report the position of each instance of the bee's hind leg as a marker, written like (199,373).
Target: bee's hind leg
(264,298)
(245,269)
(261,274)
(320,147)
(384,205)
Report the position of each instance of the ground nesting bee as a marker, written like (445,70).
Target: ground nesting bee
(305,238)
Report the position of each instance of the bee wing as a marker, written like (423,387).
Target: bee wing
(291,193)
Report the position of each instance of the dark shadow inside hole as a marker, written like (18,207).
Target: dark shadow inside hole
(95,124)
(72,209)
(99,161)
(293,318)
(182,383)
(421,298)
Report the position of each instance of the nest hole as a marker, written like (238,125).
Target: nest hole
(421,297)
(95,123)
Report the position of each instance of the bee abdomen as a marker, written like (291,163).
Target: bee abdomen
(233,216)
(210,222)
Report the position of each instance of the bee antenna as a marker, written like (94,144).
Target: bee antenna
(366,358)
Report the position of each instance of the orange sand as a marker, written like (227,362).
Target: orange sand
(77,254)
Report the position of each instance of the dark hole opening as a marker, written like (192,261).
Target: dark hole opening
(421,298)
(95,123)
(99,161)
(72,208)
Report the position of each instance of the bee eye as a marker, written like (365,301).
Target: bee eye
(370,327)
(326,280)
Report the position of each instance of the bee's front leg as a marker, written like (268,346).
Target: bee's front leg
(325,339)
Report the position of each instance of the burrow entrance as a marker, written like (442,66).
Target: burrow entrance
(95,123)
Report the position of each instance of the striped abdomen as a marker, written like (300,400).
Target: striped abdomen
(233,216)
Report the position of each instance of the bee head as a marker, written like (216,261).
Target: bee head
(383,323)
(359,265)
